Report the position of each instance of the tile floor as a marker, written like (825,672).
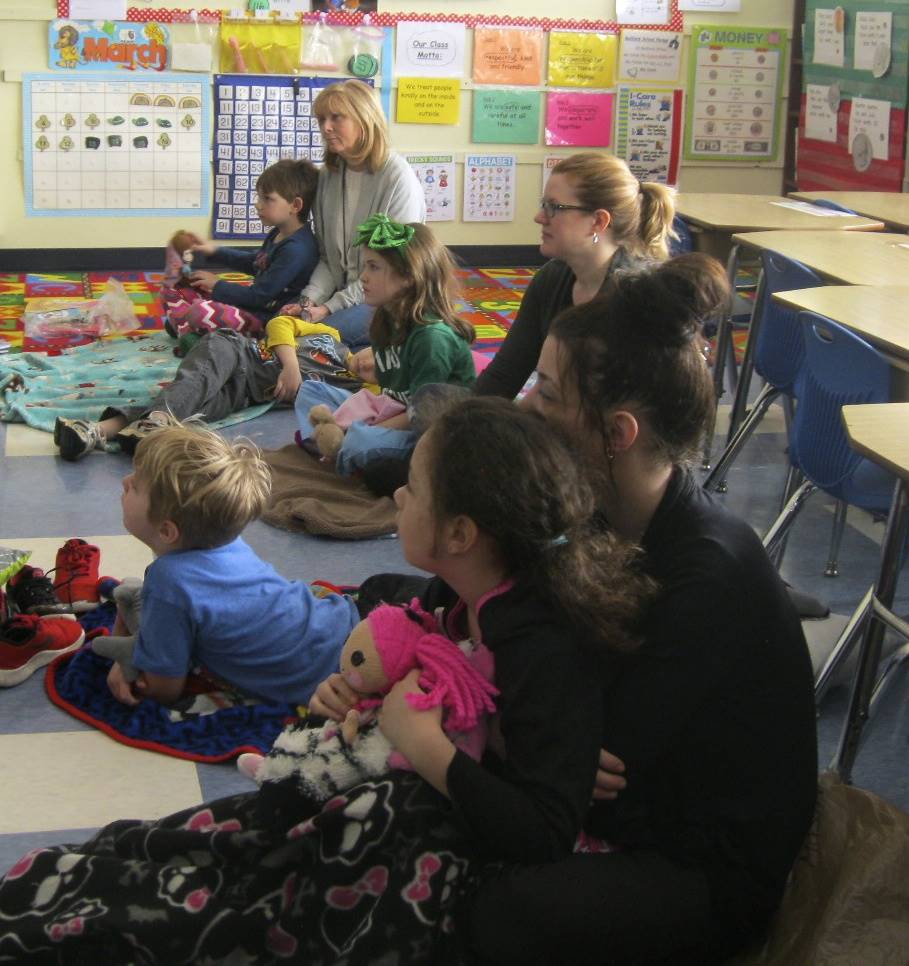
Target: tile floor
(61,779)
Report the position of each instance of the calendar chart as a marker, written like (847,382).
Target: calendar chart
(259,119)
(106,145)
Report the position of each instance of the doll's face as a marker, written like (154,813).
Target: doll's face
(361,666)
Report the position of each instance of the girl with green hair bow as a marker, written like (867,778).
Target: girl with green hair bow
(417,339)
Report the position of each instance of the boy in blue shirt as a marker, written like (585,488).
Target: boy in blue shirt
(285,192)
(207,598)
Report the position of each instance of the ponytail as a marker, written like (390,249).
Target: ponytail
(657,214)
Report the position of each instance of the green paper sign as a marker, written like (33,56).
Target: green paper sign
(506,117)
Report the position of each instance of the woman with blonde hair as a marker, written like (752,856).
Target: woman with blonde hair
(596,219)
(361,176)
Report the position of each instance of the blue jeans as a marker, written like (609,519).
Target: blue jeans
(353,324)
(363,444)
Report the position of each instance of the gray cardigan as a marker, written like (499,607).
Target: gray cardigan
(393,189)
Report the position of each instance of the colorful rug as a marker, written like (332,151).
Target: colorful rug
(491,300)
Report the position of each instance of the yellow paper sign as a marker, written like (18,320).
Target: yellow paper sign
(581,59)
(429,100)
(507,55)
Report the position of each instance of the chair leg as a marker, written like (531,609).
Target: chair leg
(794,479)
(836,536)
(779,529)
(716,478)
(849,637)
(886,677)
(725,351)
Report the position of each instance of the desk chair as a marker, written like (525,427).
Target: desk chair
(683,242)
(839,369)
(777,354)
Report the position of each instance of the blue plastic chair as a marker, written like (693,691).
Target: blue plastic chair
(777,352)
(683,242)
(839,369)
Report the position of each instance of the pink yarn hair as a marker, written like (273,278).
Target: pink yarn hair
(407,638)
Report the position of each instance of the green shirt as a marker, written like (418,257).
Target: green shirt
(433,352)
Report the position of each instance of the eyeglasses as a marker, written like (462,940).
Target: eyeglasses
(552,208)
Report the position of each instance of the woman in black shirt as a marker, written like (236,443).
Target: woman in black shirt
(711,719)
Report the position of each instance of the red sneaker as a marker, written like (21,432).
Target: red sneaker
(28,642)
(76,575)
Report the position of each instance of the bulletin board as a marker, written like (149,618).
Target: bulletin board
(104,144)
(852,119)
(259,119)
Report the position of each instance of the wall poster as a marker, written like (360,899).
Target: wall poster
(649,133)
(115,144)
(490,182)
(436,174)
(734,76)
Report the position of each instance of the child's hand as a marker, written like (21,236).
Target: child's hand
(204,248)
(317,313)
(203,281)
(292,308)
(120,688)
(287,385)
(402,724)
(363,365)
(333,698)
(609,781)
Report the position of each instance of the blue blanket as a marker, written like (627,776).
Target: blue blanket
(210,724)
(82,382)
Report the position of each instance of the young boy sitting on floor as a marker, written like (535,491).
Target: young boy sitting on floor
(285,192)
(207,599)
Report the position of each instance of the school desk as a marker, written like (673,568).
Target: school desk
(878,432)
(892,207)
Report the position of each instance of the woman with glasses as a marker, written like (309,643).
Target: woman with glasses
(596,219)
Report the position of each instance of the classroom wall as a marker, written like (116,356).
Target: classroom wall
(23,48)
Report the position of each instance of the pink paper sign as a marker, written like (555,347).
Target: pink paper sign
(579,119)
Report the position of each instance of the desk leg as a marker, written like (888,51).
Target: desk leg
(724,346)
(870,651)
(740,403)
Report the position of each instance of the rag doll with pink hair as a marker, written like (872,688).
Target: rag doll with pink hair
(382,649)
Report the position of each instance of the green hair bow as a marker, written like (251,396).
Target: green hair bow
(380,232)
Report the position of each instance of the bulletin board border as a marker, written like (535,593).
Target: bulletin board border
(380,19)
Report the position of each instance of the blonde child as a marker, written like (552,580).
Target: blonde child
(285,192)
(207,599)
(416,335)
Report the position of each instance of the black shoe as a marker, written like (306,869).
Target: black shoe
(33,593)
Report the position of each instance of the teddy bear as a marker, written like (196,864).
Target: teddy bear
(178,257)
(392,641)
(327,434)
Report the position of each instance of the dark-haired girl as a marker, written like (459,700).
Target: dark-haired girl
(709,769)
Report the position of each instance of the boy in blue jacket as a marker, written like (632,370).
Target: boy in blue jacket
(282,266)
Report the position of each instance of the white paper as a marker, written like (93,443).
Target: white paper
(820,119)
(549,162)
(650,55)
(642,11)
(828,41)
(430,49)
(489,187)
(97,9)
(872,30)
(290,6)
(809,209)
(186,56)
(711,6)
(436,174)
(871,118)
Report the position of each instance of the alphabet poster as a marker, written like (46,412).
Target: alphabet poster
(115,144)
(490,182)
(734,93)
(259,119)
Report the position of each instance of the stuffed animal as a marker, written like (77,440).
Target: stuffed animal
(381,650)
(178,257)
(326,432)
(128,598)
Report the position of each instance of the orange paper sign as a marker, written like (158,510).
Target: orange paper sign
(507,55)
